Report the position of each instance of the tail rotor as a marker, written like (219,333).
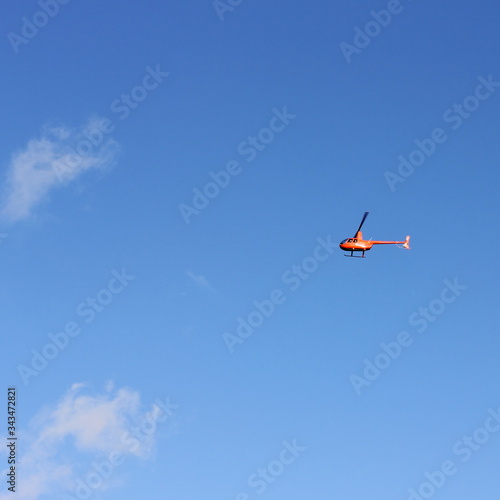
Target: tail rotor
(407,243)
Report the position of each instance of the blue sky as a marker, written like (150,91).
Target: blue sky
(174,172)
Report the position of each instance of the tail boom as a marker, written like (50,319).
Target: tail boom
(405,243)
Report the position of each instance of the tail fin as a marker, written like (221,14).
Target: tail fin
(407,243)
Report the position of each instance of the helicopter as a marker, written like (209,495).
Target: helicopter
(358,244)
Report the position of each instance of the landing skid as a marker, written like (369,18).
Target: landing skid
(356,256)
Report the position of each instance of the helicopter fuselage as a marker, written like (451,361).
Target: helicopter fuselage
(355,245)
(358,244)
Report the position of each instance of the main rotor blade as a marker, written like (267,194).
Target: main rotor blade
(362,222)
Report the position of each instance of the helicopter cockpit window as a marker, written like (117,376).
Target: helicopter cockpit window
(349,240)
(354,240)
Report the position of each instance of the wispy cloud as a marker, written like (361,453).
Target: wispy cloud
(57,157)
(200,281)
(79,430)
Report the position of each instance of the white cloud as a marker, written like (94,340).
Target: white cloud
(57,157)
(64,440)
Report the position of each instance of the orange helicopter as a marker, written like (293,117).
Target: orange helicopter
(358,244)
